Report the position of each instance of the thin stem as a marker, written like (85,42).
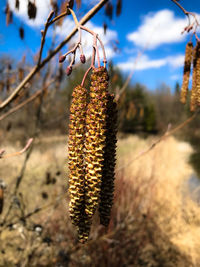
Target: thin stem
(47,24)
(79,29)
(85,75)
(74,17)
(57,18)
(11,111)
(101,43)
(104,52)
(72,50)
(28,144)
(188,14)
(96,49)
(93,57)
(95,36)
(179,5)
(25,102)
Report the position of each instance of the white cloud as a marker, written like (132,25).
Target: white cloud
(158,28)
(175,61)
(43,9)
(144,62)
(175,77)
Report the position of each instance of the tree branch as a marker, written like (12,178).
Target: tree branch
(28,144)
(85,19)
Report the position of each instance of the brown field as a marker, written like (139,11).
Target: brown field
(154,220)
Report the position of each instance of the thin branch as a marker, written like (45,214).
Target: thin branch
(58,17)
(78,44)
(85,19)
(21,105)
(188,14)
(47,24)
(85,75)
(179,5)
(27,146)
(11,111)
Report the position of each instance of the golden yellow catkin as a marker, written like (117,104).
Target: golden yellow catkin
(76,154)
(83,228)
(194,85)
(95,138)
(108,172)
(198,74)
(186,72)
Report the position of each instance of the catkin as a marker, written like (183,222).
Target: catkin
(108,172)
(76,154)
(194,84)
(83,228)
(95,138)
(1,199)
(198,73)
(186,73)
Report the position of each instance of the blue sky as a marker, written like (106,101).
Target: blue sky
(149,27)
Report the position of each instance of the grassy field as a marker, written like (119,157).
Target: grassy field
(154,220)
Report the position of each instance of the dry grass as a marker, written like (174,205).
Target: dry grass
(161,178)
(154,221)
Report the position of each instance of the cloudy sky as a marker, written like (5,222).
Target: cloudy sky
(148,28)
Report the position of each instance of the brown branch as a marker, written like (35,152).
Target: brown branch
(58,17)
(153,145)
(47,24)
(28,144)
(188,14)
(21,105)
(179,5)
(85,19)
(11,111)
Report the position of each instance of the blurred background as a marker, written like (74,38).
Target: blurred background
(155,218)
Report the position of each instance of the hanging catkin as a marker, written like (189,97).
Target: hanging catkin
(108,173)
(198,73)
(83,228)
(194,84)
(76,154)
(1,198)
(95,138)
(186,72)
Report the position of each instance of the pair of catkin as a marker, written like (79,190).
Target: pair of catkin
(192,57)
(92,145)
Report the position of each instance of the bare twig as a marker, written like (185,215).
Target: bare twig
(190,26)
(85,75)
(47,24)
(21,105)
(13,110)
(79,44)
(28,144)
(85,19)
